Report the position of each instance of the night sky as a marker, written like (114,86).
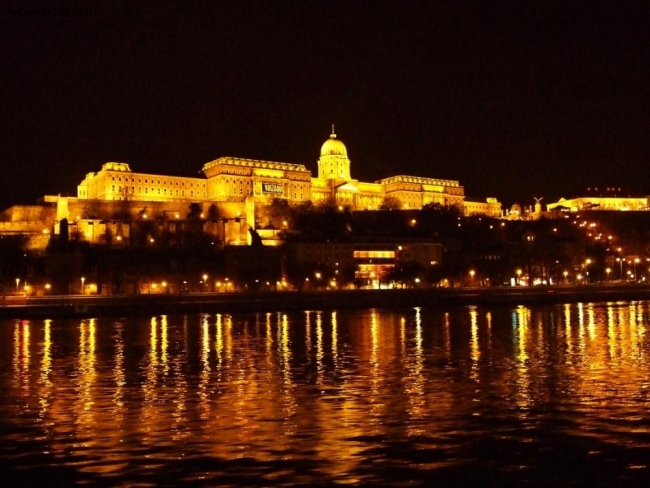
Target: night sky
(515,100)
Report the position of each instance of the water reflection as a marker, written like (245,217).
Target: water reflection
(332,390)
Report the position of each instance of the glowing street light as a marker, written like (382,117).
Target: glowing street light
(83,280)
(17,284)
(565,273)
(620,262)
(471,276)
(519,276)
(608,270)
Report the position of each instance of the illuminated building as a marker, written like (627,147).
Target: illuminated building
(599,203)
(601,198)
(235,180)
(234,189)
(372,261)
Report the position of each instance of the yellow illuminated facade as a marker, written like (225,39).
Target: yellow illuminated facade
(599,203)
(238,180)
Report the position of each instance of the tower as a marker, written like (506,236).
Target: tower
(333,162)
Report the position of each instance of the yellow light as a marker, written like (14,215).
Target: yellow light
(47,286)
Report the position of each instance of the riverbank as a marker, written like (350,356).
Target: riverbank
(116,305)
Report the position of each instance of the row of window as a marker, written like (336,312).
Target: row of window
(153,191)
(164,182)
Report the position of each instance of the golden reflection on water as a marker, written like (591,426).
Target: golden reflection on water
(283,385)
(87,374)
(475,353)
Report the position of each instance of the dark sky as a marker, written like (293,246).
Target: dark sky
(514,99)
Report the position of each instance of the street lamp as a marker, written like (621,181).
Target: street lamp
(82,284)
(471,276)
(565,273)
(608,270)
(205,280)
(518,277)
(17,284)
(636,261)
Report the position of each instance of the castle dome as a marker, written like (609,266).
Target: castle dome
(333,147)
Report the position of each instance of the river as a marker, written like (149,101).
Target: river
(548,395)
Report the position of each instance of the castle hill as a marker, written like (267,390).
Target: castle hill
(247,226)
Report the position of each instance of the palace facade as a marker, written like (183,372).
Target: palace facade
(238,180)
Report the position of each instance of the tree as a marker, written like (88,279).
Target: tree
(390,203)
(213,212)
(195,211)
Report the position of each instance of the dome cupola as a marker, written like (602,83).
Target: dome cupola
(333,147)
(333,162)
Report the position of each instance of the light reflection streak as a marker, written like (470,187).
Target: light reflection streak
(320,367)
(488,326)
(415,380)
(45,381)
(591,322)
(581,328)
(164,344)
(523,379)
(611,332)
(335,354)
(218,343)
(269,339)
(87,373)
(22,353)
(567,328)
(447,334)
(149,389)
(375,373)
(119,376)
(633,331)
(308,335)
(475,352)
(287,381)
(204,376)
(179,427)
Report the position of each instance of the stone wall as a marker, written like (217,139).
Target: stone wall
(29,213)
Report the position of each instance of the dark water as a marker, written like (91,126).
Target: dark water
(554,396)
